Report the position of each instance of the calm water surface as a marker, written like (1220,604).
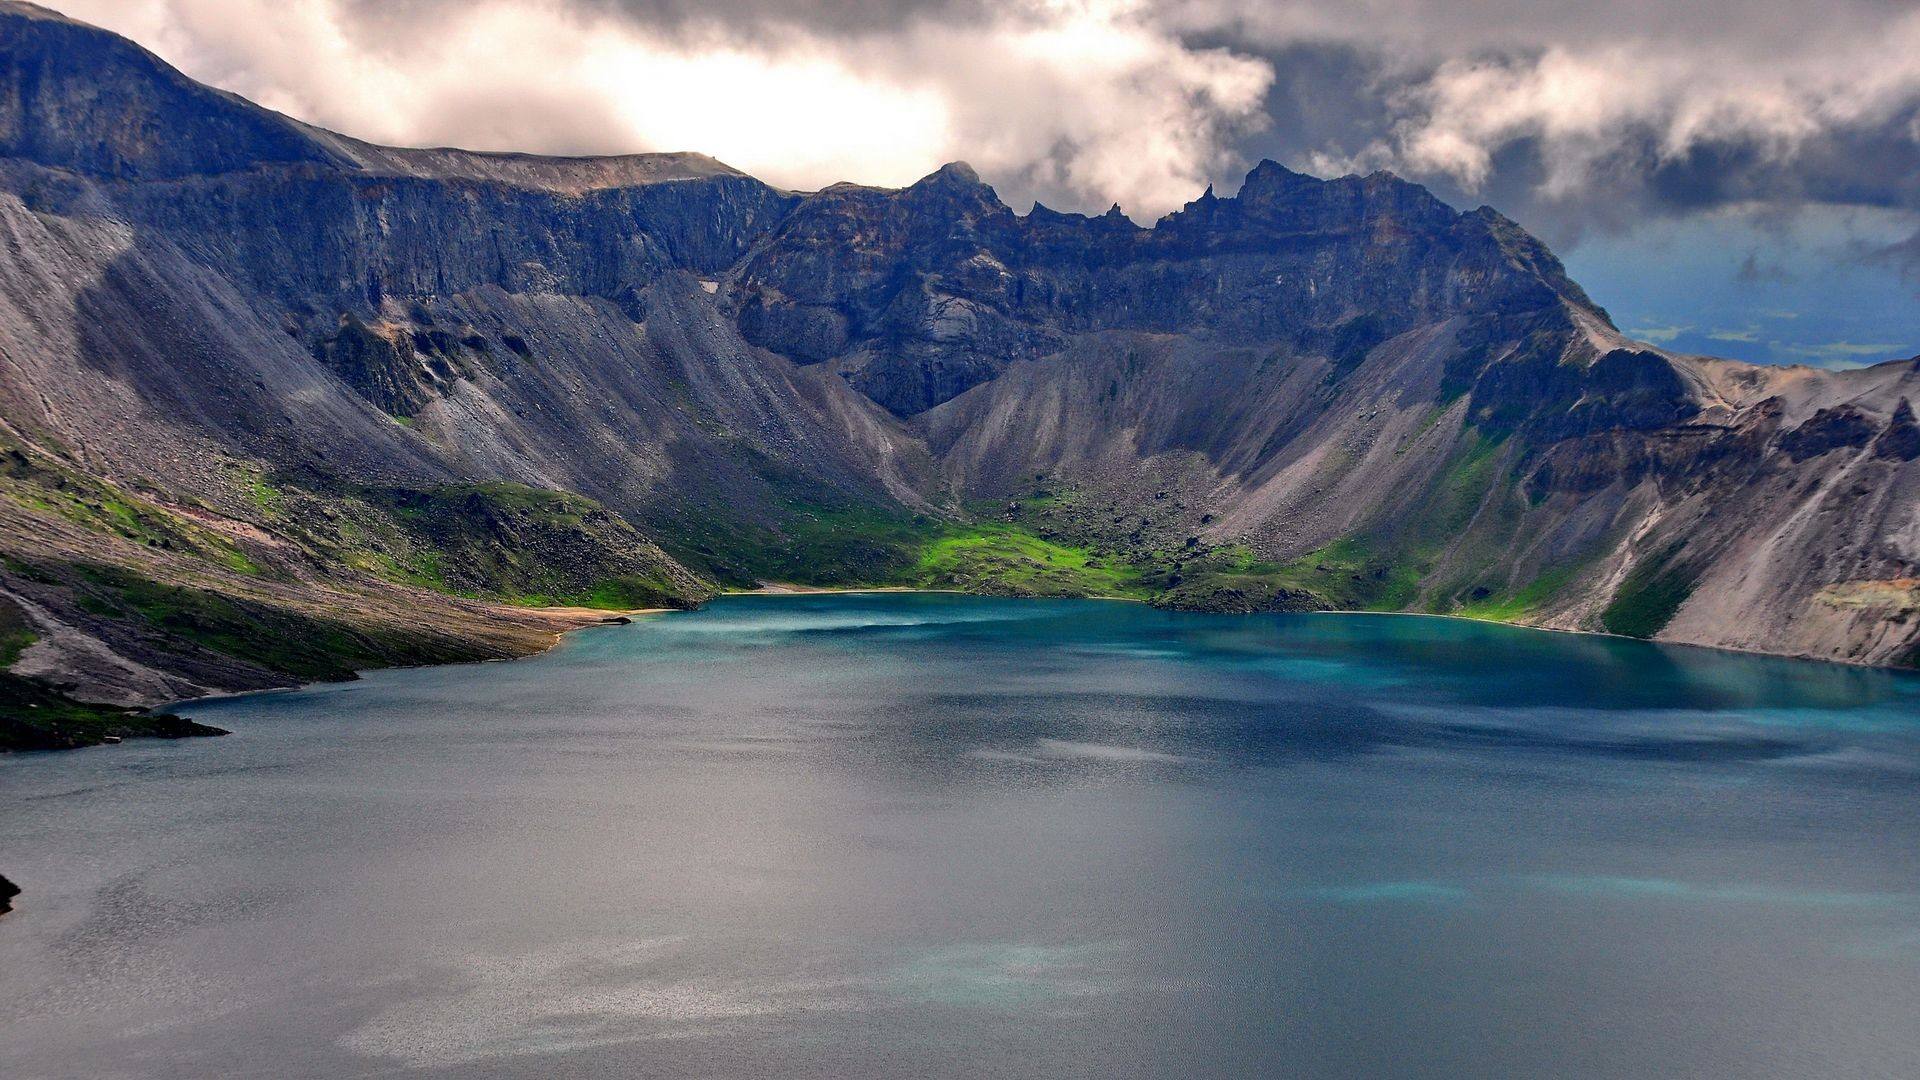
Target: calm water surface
(903,835)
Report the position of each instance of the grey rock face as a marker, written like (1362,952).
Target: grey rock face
(199,297)
(939,287)
(102,106)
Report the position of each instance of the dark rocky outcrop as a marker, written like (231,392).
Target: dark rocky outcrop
(933,289)
(34,716)
(1842,427)
(1901,439)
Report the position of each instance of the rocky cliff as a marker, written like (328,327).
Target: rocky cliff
(276,403)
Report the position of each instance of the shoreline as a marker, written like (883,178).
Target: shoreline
(588,618)
(596,616)
(568,620)
(772,588)
(783,588)
(1733,650)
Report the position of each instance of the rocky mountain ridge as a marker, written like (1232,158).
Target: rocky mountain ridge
(259,376)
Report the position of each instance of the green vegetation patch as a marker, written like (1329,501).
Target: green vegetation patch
(1053,542)
(279,639)
(839,546)
(45,486)
(499,541)
(1004,559)
(802,534)
(1376,571)
(1518,604)
(15,633)
(12,644)
(631,591)
(1232,579)
(1652,592)
(1356,573)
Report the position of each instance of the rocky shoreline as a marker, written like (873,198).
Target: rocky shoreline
(34,716)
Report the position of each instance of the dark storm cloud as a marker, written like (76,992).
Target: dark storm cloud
(1574,116)
(1903,255)
(1876,165)
(1754,271)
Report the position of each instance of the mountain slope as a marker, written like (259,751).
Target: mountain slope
(263,381)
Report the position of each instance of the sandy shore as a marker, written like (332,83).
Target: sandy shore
(587,616)
(783,588)
(787,588)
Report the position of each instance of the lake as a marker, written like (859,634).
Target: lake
(899,835)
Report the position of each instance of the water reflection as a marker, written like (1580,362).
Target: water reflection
(930,835)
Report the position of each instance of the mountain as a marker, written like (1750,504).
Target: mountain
(277,404)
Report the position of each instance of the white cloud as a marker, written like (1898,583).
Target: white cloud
(1082,101)
(1659,335)
(1585,106)
(1599,88)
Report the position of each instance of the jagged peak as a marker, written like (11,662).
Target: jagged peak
(1271,183)
(1268,170)
(1042,212)
(953,173)
(958,188)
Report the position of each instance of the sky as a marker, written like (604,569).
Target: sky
(1736,177)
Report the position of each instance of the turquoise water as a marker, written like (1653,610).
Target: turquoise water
(921,835)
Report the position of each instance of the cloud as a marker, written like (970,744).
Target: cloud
(1083,101)
(1659,335)
(1566,113)
(1845,354)
(1591,110)
(1569,109)
(1903,255)
(1754,271)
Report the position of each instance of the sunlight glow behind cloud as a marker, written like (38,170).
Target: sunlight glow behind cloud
(1090,101)
(1084,97)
